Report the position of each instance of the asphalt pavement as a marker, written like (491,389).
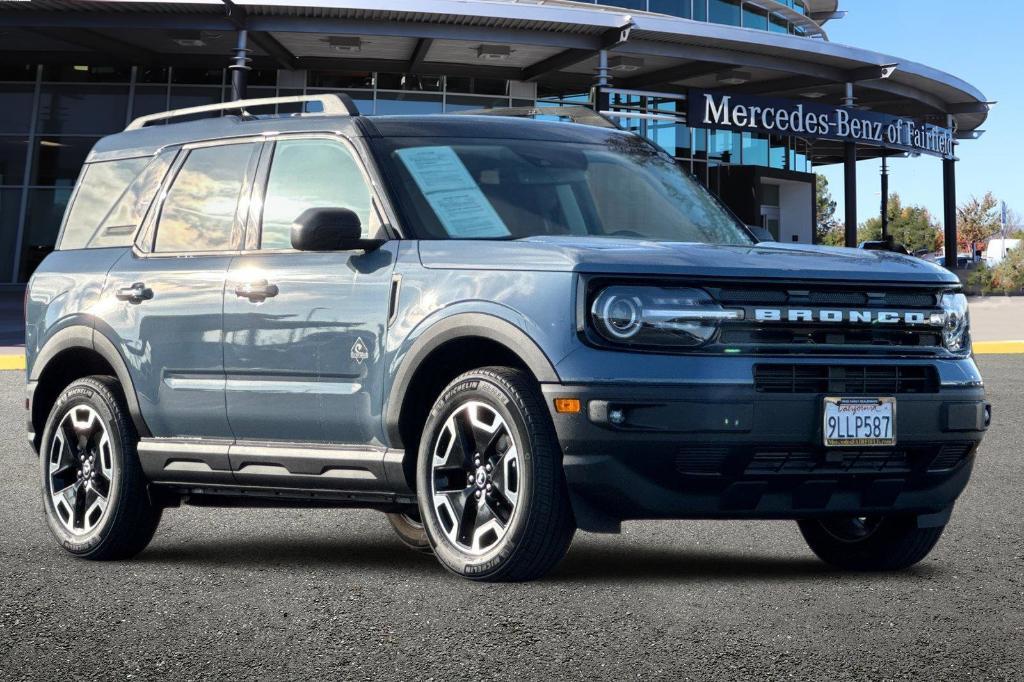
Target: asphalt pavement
(313,594)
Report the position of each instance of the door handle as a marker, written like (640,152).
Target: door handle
(136,293)
(257,291)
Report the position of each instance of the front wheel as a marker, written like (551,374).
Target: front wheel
(94,491)
(491,490)
(870,543)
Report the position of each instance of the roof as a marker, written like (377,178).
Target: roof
(553,42)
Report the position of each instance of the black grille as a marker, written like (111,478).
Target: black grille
(855,379)
(815,335)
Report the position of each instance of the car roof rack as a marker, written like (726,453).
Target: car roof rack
(334,104)
(576,113)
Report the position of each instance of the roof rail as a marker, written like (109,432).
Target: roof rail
(334,104)
(575,113)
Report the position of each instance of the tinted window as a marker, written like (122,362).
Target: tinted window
(101,187)
(306,174)
(199,211)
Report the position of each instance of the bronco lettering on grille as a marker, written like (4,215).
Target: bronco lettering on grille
(850,316)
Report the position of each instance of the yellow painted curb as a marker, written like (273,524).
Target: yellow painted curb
(998,347)
(12,362)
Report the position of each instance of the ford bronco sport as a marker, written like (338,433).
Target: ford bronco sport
(496,330)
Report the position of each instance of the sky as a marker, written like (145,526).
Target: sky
(979,42)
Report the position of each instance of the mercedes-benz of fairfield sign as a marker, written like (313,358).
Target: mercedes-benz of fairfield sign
(745,113)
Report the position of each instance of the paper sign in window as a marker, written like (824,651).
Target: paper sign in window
(453,194)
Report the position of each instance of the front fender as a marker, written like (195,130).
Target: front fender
(441,328)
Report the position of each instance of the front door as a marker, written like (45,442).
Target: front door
(303,346)
(166,296)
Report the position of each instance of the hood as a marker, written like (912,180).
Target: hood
(768,261)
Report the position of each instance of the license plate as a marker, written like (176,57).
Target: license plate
(860,422)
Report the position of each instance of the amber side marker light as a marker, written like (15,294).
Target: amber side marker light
(567,405)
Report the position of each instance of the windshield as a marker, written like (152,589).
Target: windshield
(468,188)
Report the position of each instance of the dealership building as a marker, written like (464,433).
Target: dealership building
(749,95)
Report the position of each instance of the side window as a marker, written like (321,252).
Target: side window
(312,173)
(199,211)
(102,185)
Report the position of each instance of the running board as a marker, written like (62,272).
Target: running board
(251,465)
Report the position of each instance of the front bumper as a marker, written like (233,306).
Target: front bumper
(711,451)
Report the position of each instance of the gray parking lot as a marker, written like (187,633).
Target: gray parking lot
(308,594)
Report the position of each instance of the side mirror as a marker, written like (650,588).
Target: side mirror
(330,229)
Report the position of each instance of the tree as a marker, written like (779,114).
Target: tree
(977,220)
(912,226)
(827,227)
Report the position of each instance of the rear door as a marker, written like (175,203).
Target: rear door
(303,348)
(166,296)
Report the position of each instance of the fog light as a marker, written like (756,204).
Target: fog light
(616,417)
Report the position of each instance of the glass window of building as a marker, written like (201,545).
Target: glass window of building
(78,109)
(678,8)
(700,10)
(16,112)
(42,221)
(311,173)
(12,159)
(77,73)
(778,25)
(57,160)
(754,17)
(405,103)
(10,207)
(340,79)
(724,12)
(199,211)
(628,4)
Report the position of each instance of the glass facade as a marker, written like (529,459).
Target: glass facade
(729,12)
(52,115)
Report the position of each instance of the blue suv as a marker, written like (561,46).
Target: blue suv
(494,329)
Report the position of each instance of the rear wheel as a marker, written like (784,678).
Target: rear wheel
(490,485)
(94,492)
(870,543)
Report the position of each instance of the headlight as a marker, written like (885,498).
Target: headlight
(956,331)
(655,316)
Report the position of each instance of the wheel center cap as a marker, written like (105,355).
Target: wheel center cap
(481,477)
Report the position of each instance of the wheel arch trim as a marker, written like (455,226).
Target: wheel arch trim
(87,338)
(452,328)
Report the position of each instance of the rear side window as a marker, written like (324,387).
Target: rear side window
(311,173)
(109,187)
(199,211)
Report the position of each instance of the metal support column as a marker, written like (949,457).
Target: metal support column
(885,199)
(850,181)
(240,68)
(600,96)
(949,204)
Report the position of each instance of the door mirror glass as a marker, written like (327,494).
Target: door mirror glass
(329,229)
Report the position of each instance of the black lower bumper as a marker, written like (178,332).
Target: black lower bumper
(733,452)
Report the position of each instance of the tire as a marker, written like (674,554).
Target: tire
(505,516)
(115,518)
(888,543)
(409,529)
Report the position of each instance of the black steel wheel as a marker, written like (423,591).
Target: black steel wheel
(490,485)
(94,492)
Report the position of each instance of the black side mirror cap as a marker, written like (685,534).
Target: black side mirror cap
(330,229)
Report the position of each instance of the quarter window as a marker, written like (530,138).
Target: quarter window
(199,211)
(103,184)
(312,173)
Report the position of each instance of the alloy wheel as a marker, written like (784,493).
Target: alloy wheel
(475,477)
(81,470)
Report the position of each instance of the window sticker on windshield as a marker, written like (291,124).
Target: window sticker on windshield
(451,191)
